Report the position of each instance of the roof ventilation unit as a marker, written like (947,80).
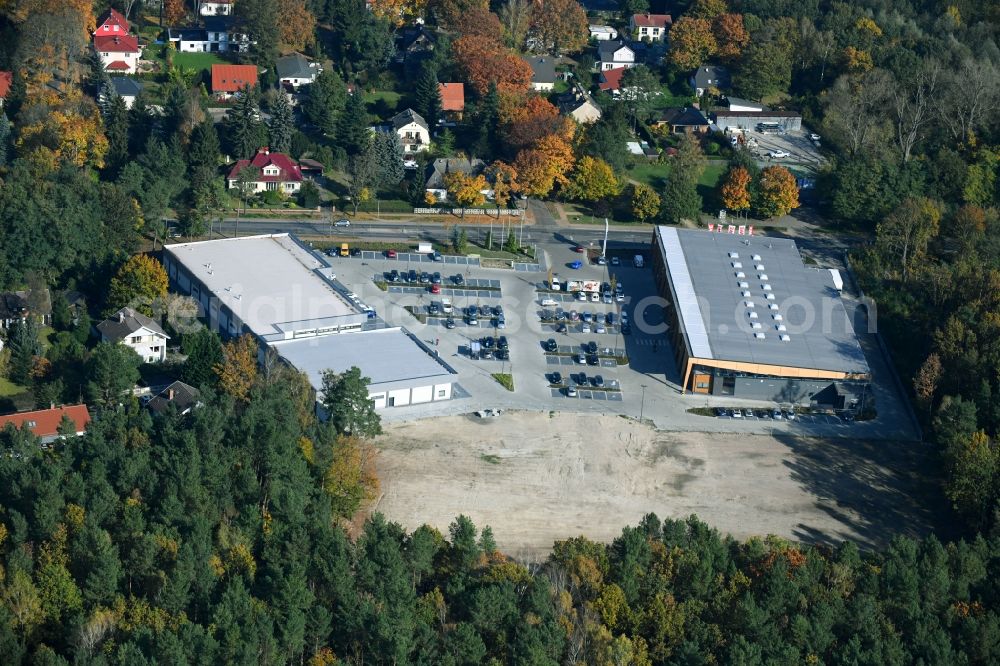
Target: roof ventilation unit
(777,317)
(740,274)
(765,287)
(749,304)
(746,294)
(762,276)
(756,257)
(772,306)
(752,315)
(770,297)
(759,267)
(737,264)
(781,327)
(784,338)
(759,336)
(744,285)
(755,326)
(734,255)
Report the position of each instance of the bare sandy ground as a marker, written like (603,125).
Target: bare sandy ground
(535,477)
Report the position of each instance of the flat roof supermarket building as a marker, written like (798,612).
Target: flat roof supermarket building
(747,318)
(284,294)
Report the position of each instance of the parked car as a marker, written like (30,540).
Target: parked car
(356,252)
(413,277)
(561,328)
(595,297)
(501,322)
(601,260)
(549,303)
(472,320)
(574,315)
(571,391)
(615,261)
(580,359)
(502,342)
(579,248)
(611,319)
(576,265)
(342,223)
(498,311)
(737,414)
(777,153)
(593,359)
(721,412)
(556,378)
(436,278)
(789,414)
(458,279)
(390,254)
(598,381)
(425,278)
(778,416)
(486,342)
(587,317)
(599,328)
(585,327)
(581,296)
(394,276)
(433,309)
(436,256)
(449,323)
(436,288)
(626,328)
(814,137)
(550,345)
(590,347)
(503,354)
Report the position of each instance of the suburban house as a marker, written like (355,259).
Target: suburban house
(275,172)
(707,77)
(579,105)
(218,36)
(683,121)
(296,70)
(126,88)
(45,423)
(614,55)
(6,80)
(610,81)
(230,79)
(602,33)
(452,101)
(441,167)
(414,44)
(216,8)
(118,50)
(137,332)
(19,305)
(543,72)
(649,27)
(183,397)
(413,131)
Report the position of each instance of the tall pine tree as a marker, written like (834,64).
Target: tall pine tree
(388,155)
(282,124)
(245,132)
(327,97)
(352,128)
(4,138)
(427,95)
(116,130)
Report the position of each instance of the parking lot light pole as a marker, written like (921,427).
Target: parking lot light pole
(642,405)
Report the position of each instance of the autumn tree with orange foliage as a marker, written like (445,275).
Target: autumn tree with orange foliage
(479,22)
(735,191)
(450,12)
(691,42)
(504,179)
(544,165)
(528,120)
(238,370)
(731,36)
(174,11)
(71,132)
(483,60)
(778,192)
(298,25)
(560,26)
(350,478)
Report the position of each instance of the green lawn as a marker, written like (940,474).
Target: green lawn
(9,389)
(195,61)
(383,102)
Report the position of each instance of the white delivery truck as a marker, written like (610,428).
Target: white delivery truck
(425,248)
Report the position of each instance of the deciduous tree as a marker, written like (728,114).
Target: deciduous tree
(139,284)
(504,180)
(297,26)
(691,42)
(238,370)
(450,12)
(350,479)
(466,190)
(484,61)
(398,12)
(731,36)
(174,12)
(904,234)
(515,17)
(645,202)
(593,180)
(560,26)
(778,192)
(735,191)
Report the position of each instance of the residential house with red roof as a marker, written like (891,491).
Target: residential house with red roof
(230,79)
(610,81)
(119,51)
(45,423)
(6,80)
(275,172)
(452,100)
(649,27)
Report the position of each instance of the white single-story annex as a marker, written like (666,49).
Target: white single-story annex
(403,371)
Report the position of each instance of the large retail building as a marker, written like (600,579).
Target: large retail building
(747,318)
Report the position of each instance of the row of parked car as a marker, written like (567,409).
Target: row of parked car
(776,413)
(581,379)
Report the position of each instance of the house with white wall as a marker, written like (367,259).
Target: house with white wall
(137,332)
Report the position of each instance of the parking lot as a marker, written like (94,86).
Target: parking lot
(645,383)
(801,150)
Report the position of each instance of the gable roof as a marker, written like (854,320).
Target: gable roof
(13,306)
(6,80)
(571,101)
(606,50)
(114,17)
(651,20)
(686,117)
(452,96)
(126,87)
(416,37)
(611,79)
(45,422)
(404,118)
(182,396)
(290,171)
(543,69)
(116,43)
(233,78)
(125,322)
(188,34)
(711,75)
(218,23)
(439,168)
(117,66)
(295,66)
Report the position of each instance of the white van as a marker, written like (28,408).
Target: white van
(446,306)
(549,303)
(554,284)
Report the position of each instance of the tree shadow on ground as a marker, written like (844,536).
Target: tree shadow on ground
(874,489)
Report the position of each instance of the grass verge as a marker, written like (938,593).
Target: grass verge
(505,380)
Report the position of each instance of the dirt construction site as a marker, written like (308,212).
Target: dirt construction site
(536,477)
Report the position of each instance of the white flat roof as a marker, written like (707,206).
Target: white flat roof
(388,356)
(271,282)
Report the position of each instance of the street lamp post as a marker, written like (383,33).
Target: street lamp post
(642,405)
